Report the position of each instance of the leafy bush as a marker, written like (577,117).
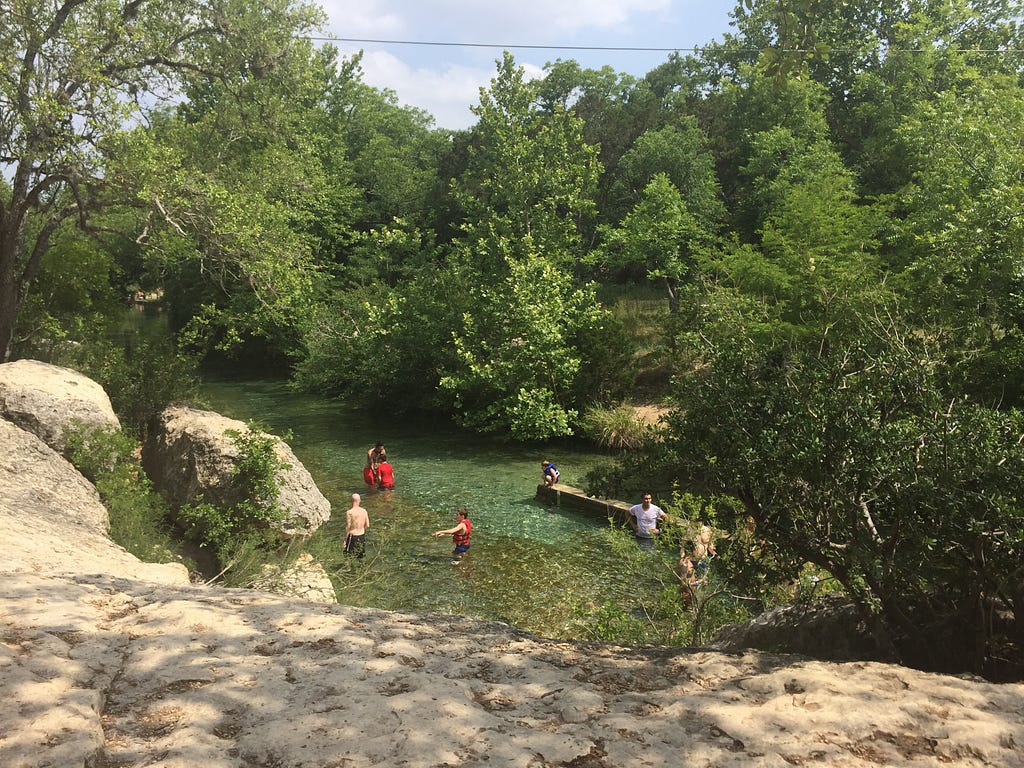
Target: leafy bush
(661,610)
(846,451)
(617,427)
(246,525)
(141,375)
(138,514)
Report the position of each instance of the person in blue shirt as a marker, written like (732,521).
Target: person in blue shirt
(551,473)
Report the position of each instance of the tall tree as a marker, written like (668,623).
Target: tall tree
(75,74)
(663,235)
(524,193)
(961,258)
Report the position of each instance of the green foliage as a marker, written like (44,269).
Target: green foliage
(963,235)
(247,523)
(142,374)
(680,153)
(75,301)
(137,513)
(663,611)
(661,235)
(77,75)
(845,451)
(516,354)
(529,181)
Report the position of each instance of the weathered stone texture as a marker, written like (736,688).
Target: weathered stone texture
(45,399)
(188,454)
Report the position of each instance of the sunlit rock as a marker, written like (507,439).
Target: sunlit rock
(189,454)
(45,399)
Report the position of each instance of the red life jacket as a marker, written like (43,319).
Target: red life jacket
(462,539)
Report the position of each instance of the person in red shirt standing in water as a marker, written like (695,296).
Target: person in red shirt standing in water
(460,535)
(385,475)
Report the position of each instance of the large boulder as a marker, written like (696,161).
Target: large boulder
(189,454)
(51,518)
(44,399)
(827,628)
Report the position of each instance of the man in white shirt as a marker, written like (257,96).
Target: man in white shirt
(643,519)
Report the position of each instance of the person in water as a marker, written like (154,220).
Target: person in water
(357,521)
(385,475)
(644,519)
(374,456)
(459,533)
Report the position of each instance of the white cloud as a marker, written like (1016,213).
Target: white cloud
(445,93)
(364,18)
(445,80)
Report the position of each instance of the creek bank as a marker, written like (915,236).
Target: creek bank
(109,661)
(189,455)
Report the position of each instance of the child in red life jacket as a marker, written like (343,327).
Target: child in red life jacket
(460,533)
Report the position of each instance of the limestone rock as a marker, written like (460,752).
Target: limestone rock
(51,517)
(305,579)
(44,399)
(188,454)
(825,628)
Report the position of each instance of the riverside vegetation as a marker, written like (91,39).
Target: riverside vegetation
(826,203)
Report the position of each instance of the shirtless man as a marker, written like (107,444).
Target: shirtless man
(356,524)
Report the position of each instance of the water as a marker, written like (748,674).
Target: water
(528,565)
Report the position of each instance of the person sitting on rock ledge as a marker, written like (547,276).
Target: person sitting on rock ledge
(550,473)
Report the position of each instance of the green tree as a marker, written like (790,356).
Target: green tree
(518,351)
(530,175)
(76,73)
(846,450)
(662,235)
(958,259)
(680,152)
(524,193)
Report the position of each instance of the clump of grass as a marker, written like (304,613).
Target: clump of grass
(619,427)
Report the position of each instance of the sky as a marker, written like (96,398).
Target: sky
(445,80)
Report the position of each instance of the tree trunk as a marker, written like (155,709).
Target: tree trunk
(10,300)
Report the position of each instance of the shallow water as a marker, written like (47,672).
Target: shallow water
(528,565)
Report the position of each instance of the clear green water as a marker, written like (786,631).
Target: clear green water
(528,565)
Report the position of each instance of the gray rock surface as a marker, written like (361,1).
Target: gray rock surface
(52,520)
(825,628)
(188,454)
(44,399)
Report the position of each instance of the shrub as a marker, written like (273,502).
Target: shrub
(246,525)
(138,514)
(617,427)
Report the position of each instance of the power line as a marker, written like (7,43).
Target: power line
(638,48)
(499,45)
